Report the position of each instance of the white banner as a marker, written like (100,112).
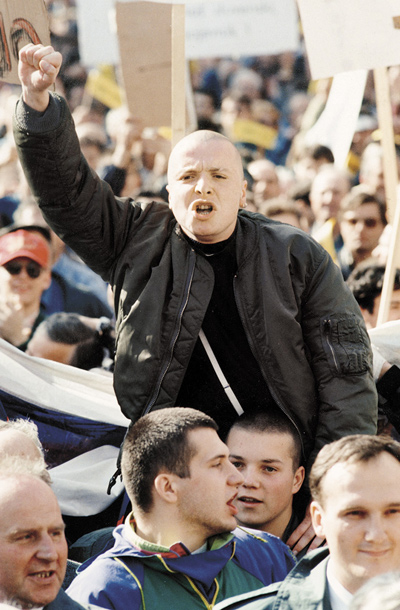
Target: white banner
(217,28)
(346,35)
(336,125)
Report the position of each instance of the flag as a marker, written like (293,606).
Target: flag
(80,425)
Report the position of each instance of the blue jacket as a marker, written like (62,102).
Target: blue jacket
(126,576)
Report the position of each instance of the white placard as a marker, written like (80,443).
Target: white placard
(336,125)
(347,35)
(214,28)
(97,32)
(240,27)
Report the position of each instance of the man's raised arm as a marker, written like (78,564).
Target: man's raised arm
(37,70)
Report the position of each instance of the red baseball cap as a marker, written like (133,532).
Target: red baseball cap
(23,243)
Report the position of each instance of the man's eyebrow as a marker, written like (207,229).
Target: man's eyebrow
(20,531)
(32,530)
(265,461)
(236,457)
(217,457)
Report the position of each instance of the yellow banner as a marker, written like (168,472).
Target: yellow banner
(101,86)
(252,132)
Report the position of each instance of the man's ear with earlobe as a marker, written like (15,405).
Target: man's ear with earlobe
(165,487)
(298,479)
(317,518)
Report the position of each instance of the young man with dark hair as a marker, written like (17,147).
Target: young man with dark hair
(266,449)
(356,507)
(366,284)
(177,549)
(73,339)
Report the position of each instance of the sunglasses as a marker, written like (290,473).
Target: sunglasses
(370,223)
(33,269)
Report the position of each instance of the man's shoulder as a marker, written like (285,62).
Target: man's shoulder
(260,599)
(64,602)
(279,236)
(254,547)
(292,588)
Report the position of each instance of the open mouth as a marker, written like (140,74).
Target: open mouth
(203,208)
(248,500)
(43,575)
(231,505)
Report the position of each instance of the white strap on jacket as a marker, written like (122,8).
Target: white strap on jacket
(227,388)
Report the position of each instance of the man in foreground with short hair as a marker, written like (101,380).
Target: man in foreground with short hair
(266,449)
(217,308)
(355,488)
(176,549)
(33,549)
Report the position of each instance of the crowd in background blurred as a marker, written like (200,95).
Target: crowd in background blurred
(288,179)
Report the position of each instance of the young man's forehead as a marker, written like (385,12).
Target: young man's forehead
(248,438)
(206,444)
(358,476)
(198,149)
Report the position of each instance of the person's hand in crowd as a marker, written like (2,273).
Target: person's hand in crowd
(12,327)
(380,365)
(303,535)
(129,132)
(38,68)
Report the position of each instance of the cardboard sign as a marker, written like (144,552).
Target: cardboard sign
(21,22)
(144,35)
(347,35)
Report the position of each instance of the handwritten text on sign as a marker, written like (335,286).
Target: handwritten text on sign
(21,22)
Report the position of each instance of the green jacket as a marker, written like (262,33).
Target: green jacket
(304,588)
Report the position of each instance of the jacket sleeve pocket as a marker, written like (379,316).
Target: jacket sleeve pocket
(346,344)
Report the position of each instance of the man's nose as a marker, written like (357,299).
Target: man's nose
(250,479)
(47,549)
(235,477)
(203,185)
(375,530)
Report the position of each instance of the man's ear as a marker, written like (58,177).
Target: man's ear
(317,518)
(165,487)
(243,202)
(298,479)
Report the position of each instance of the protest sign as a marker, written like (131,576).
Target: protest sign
(224,28)
(21,22)
(97,32)
(213,28)
(336,125)
(102,86)
(342,36)
(252,132)
(144,36)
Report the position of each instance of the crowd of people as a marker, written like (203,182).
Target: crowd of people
(228,288)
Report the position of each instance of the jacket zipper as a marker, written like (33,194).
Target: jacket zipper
(328,335)
(182,308)
(208,605)
(255,351)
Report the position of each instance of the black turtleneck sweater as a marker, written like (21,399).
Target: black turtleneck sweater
(201,388)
